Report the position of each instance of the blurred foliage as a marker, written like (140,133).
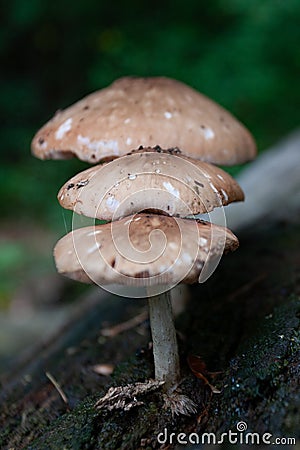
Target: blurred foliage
(12,257)
(244,54)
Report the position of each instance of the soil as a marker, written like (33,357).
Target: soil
(243,323)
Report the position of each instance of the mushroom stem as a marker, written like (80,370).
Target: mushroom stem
(165,350)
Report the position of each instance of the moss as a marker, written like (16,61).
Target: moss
(71,431)
(261,381)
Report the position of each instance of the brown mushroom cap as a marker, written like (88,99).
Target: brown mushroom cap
(148,112)
(149,179)
(140,250)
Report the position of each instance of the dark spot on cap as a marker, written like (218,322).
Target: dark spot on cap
(41,141)
(82,183)
(70,186)
(174,151)
(86,107)
(199,184)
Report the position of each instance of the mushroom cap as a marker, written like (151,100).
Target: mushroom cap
(142,250)
(145,111)
(149,179)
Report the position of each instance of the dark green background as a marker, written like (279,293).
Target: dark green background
(244,54)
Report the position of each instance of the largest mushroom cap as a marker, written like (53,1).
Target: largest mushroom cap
(149,179)
(148,112)
(146,249)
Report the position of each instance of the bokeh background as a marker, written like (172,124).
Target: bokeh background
(243,54)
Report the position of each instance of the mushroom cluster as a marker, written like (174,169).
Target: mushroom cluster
(157,141)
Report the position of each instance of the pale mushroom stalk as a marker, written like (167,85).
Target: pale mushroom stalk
(165,349)
(165,353)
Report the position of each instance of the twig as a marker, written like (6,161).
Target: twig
(57,387)
(246,287)
(125,326)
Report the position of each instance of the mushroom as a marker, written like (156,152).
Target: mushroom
(149,179)
(119,252)
(147,250)
(145,111)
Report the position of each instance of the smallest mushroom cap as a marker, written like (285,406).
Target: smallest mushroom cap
(142,250)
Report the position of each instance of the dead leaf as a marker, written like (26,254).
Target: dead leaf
(198,367)
(103,369)
(124,397)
